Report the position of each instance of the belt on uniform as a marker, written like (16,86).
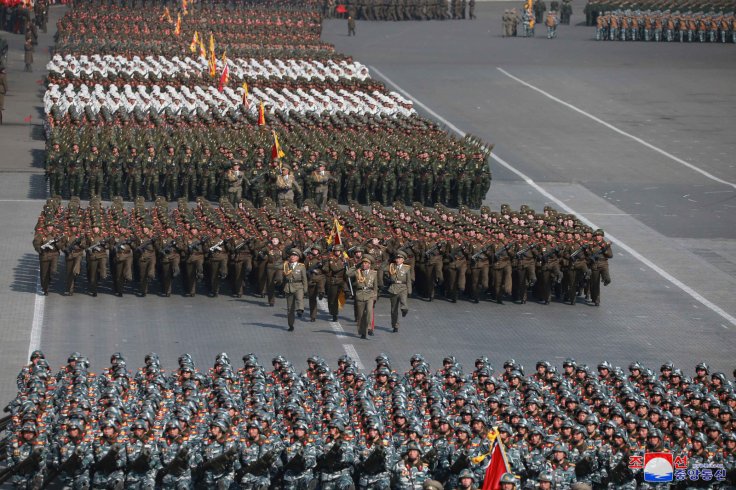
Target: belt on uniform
(364,289)
(398,282)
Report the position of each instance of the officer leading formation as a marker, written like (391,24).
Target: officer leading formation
(253,428)
(307,254)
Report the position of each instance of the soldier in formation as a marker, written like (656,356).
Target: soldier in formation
(325,428)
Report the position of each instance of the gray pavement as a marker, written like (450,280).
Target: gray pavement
(675,97)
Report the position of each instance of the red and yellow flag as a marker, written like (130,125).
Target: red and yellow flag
(202,51)
(166,16)
(213,66)
(497,466)
(184,4)
(194,43)
(177,29)
(246,103)
(276,151)
(212,46)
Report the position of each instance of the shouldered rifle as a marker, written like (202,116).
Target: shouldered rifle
(70,248)
(600,252)
(107,463)
(319,265)
(242,244)
(120,246)
(328,462)
(50,244)
(217,247)
(407,246)
(259,466)
(143,462)
(549,253)
(505,248)
(169,246)
(376,462)
(431,251)
(177,466)
(520,253)
(69,466)
(96,246)
(194,244)
(296,464)
(144,245)
(217,464)
(574,255)
(28,465)
(460,463)
(480,252)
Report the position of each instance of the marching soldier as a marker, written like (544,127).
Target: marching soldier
(336,461)
(27,453)
(286,186)
(169,247)
(299,458)
(410,471)
(501,267)
(295,283)
(142,457)
(479,266)
(121,259)
(47,243)
(273,254)
(317,279)
(176,458)
(599,253)
(72,456)
(241,261)
(216,260)
(334,270)
(73,251)
(145,252)
(194,261)
(366,294)
(234,179)
(258,454)
(95,245)
(109,458)
(399,279)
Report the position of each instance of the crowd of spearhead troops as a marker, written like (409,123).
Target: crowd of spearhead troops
(393,427)
(403,252)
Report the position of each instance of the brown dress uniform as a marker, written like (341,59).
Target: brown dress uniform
(400,278)
(295,283)
(47,245)
(366,293)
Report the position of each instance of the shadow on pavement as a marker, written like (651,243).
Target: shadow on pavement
(37,186)
(25,274)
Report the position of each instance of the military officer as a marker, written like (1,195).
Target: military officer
(321,179)
(286,186)
(274,259)
(234,179)
(295,283)
(366,294)
(400,282)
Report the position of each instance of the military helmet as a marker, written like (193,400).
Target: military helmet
(466,473)
(507,478)
(546,476)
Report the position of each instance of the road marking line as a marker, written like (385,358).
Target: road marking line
(38,313)
(619,131)
(664,274)
(337,328)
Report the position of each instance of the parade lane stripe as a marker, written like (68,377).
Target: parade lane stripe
(38,314)
(664,274)
(619,131)
(348,348)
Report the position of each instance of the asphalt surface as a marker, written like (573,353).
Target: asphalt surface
(674,270)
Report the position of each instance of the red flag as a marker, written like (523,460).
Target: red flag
(276,151)
(224,78)
(27,119)
(496,467)
(341,9)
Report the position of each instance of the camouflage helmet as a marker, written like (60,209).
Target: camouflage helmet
(466,473)
(508,478)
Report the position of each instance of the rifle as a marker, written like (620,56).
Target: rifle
(242,244)
(483,250)
(49,245)
(5,421)
(524,250)
(319,265)
(498,253)
(546,255)
(216,464)
(216,247)
(460,463)
(327,462)
(26,466)
(119,247)
(68,466)
(107,463)
(176,467)
(295,464)
(144,245)
(573,256)
(259,466)
(194,244)
(600,252)
(74,243)
(407,246)
(143,462)
(430,252)
(96,246)
(169,246)
(375,463)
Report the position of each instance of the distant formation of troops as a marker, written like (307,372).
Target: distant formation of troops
(659,26)
(400,10)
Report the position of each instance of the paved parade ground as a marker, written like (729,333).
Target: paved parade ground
(635,138)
